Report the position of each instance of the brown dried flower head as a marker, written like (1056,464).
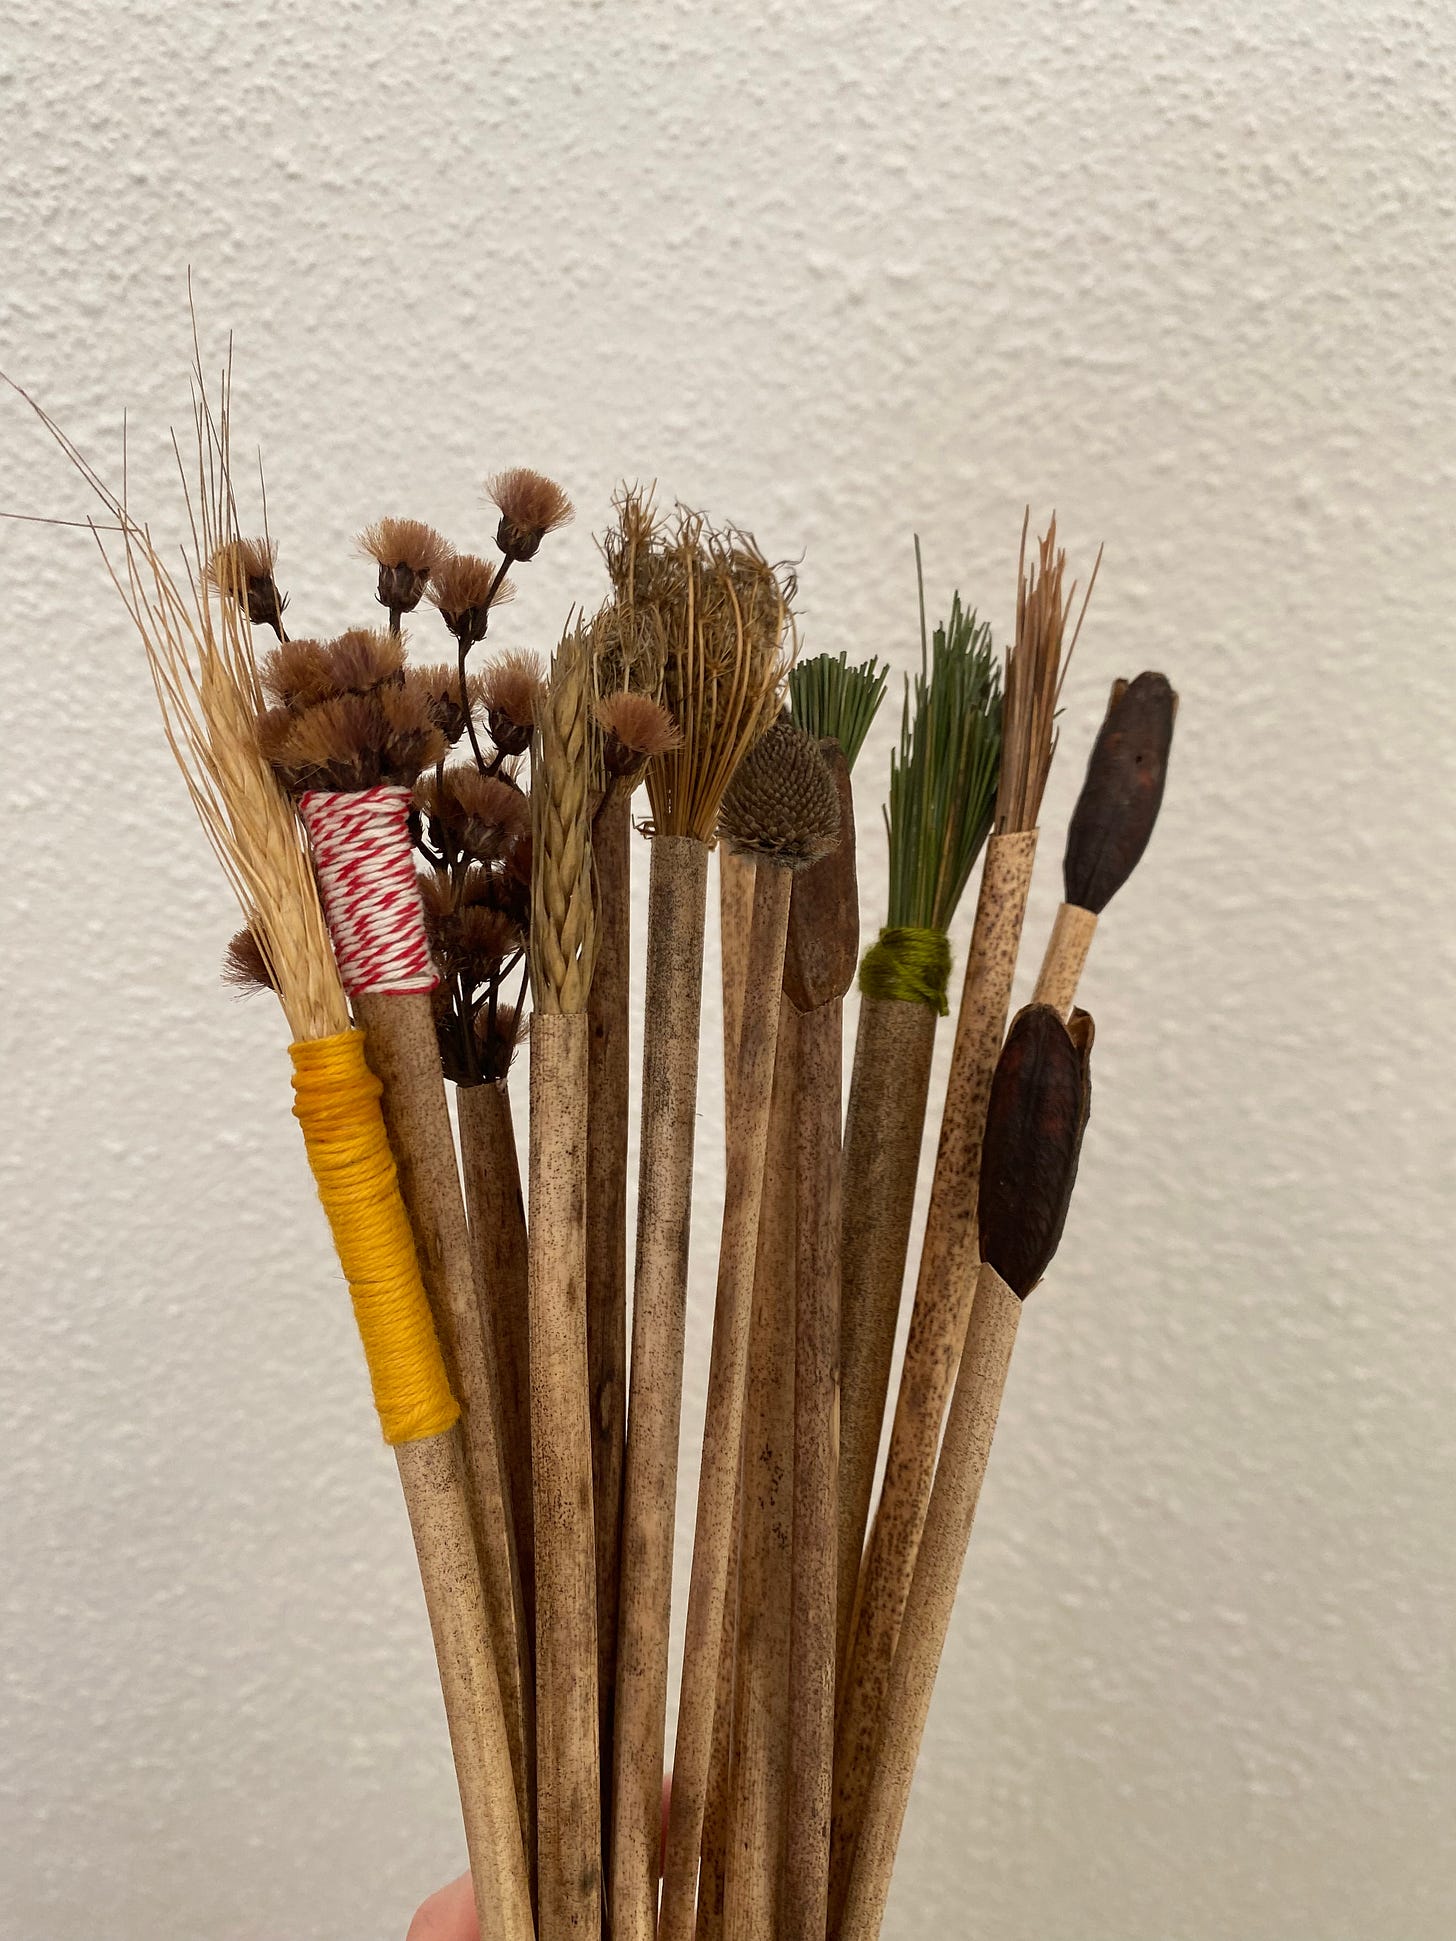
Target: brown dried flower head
(407,552)
(510,689)
(782,802)
(440,683)
(640,727)
(486,815)
(531,505)
(302,673)
(497,1039)
(242,571)
(463,586)
(353,741)
(244,967)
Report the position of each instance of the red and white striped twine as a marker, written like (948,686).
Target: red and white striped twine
(371,896)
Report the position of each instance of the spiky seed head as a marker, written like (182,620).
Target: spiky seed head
(440,683)
(530,506)
(407,552)
(242,570)
(486,815)
(353,741)
(301,673)
(634,729)
(782,802)
(461,587)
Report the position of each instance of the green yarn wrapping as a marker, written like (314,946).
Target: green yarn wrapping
(910,964)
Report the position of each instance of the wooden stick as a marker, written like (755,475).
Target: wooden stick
(760,1751)
(990,1337)
(735,915)
(723,1426)
(713,1859)
(883,1131)
(608,1086)
(403,1053)
(676,914)
(432,1475)
(568,1777)
(496,1210)
(816,1451)
(943,1293)
(1066,953)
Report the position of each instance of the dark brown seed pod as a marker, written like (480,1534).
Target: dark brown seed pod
(509,691)
(467,590)
(354,741)
(782,802)
(823,941)
(486,815)
(242,570)
(1040,1099)
(302,673)
(530,506)
(244,967)
(407,552)
(1120,798)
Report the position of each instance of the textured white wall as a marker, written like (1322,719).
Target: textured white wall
(1182,271)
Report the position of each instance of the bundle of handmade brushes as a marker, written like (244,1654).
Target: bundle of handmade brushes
(433,847)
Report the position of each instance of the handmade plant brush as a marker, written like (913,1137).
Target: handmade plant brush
(202,669)
(942,796)
(722,613)
(1038,1111)
(945,1284)
(568,1774)
(783,805)
(348,733)
(1111,824)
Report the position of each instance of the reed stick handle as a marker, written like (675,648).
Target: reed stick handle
(990,1338)
(568,1798)
(723,1424)
(433,1478)
(401,1048)
(1066,954)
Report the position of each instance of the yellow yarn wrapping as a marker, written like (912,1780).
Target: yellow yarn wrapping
(336,1101)
(909,964)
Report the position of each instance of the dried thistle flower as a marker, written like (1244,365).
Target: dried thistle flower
(407,552)
(244,967)
(531,505)
(782,802)
(302,673)
(498,1034)
(634,729)
(484,815)
(465,588)
(510,689)
(441,685)
(242,571)
(353,741)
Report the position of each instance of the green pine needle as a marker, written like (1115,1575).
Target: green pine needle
(833,701)
(943,777)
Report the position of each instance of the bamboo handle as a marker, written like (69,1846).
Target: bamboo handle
(403,1053)
(1066,954)
(433,1479)
(677,907)
(496,1209)
(943,1293)
(568,1808)
(760,1750)
(723,1425)
(608,1087)
(735,915)
(990,1337)
(883,1131)
(816,1453)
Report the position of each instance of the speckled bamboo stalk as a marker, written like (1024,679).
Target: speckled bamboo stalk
(804,1904)
(672,1008)
(568,1776)
(990,1337)
(735,914)
(723,1426)
(403,1052)
(432,1475)
(760,1751)
(608,1086)
(883,1131)
(943,1294)
(496,1210)
(1066,954)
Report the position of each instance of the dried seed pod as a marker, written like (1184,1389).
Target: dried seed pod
(530,505)
(782,801)
(440,683)
(1040,1099)
(486,815)
(510,689)
(354,741)
(634,729)
(823,941)
(407,552)
(1120,798)
(244,967)
(301,673)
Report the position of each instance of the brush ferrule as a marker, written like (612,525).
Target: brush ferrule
(369,888)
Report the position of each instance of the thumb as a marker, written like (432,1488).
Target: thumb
(448,1915)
